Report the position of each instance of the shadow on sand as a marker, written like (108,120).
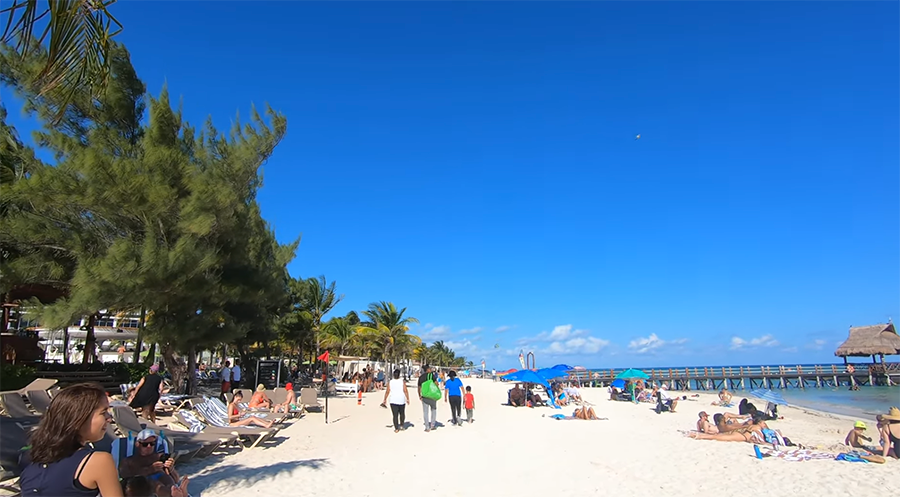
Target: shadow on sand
(238,474)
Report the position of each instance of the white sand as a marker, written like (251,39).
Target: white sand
(516,451)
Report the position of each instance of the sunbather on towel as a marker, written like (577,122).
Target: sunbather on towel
(235,413)
(584,413)
(752,434)
(704,426)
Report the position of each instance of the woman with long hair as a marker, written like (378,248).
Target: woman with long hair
(61,461)
(235,413)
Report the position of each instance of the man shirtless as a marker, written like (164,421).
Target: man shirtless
(704,425)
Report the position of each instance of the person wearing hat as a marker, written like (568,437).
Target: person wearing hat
(151,464)
(146,394)
(290,402)
(890,433)
(260,399)
(704,425)
(857,435)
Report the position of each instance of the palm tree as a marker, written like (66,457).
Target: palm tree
(387,327)
(339,334)
(79,35)
(319,298)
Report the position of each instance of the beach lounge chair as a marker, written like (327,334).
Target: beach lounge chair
(40,400)
(278,395)
(660,405)
(347,387)
(309,399)
(123,447)
(13,437)
(127,422)
(39,384)
(16,408)
(215,420)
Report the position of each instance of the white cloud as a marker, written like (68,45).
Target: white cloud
(816,344)
(651,343)
(577,345)
(763,341)
(471,331)
(501,329)
(436,333)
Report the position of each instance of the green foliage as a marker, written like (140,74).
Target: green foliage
(14,376)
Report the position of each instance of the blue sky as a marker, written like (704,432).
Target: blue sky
(477,164)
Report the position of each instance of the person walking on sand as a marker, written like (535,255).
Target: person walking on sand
(398,396)
(453,392)
(429,406)
(469,402)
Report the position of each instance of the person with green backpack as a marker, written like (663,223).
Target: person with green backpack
(429,394)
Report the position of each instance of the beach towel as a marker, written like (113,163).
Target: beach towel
(849,458)
(796,454)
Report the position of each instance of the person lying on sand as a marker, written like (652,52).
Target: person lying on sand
(728,422)
(584,413)
(704,425)
(752,433)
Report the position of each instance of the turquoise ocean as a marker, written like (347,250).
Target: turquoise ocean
(864,403)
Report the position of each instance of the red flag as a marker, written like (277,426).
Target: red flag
(323,357)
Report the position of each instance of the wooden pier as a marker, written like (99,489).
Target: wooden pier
(746,377)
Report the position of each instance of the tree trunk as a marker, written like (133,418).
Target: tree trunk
(192,366)
(90,342)
(151,355)
(140,338)
(66,345)
(175,366)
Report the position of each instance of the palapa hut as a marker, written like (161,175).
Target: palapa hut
(876,340)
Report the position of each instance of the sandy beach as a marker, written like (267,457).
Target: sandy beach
(519,451)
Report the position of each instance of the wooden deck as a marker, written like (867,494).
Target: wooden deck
(746,377)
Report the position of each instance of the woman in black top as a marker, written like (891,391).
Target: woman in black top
(147,393)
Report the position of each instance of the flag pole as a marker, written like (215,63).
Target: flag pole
(326,389)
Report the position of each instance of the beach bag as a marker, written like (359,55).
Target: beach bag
(430,389)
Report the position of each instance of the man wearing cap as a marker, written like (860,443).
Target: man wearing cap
(158,468)
(856,435)
(704,425)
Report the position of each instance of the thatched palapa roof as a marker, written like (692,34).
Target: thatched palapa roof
(870,340)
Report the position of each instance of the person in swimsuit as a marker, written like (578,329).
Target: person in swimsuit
(584,413)
(235,413)
(290,402)
(704,426)
(751,434)
(890,433)
(260,400)
(61,461)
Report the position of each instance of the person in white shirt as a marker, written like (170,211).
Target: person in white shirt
(668,399)
(398,396)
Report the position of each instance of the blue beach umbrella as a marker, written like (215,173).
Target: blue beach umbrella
(526,376)
(563,367)
(769,396)
(551,373)
(620,384)
(632,374)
